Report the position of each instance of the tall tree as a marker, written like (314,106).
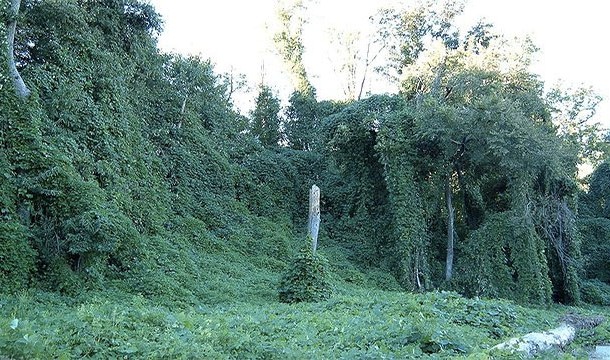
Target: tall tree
(594,224)
(289,42)
(346,60)
(302,118)
(479,122)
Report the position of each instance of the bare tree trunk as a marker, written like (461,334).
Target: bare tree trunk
(366,69)
(183,107)
(20,87)
(367,64)
(314,216)
(450,229)
(417,279)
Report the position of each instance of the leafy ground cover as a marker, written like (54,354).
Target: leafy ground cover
(352,324)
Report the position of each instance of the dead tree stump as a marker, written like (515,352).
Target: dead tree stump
(314,217)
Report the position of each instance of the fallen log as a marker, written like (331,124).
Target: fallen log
(560,336)
(601,352)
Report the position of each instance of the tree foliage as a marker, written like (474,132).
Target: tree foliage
(475,126)
(406,33)
(291,16)
(594,224)
(265,118)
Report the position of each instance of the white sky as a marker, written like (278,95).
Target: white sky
(572,36)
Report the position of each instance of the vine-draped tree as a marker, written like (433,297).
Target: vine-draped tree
(486,159)
(475,176)
(265,123)
(482,127)
(594,224)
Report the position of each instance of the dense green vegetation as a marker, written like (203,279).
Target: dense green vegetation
(353,324)
(141,216)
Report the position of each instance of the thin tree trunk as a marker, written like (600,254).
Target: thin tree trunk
(418,281)
(366,67)
(450,229)
(20,87)
(183,107)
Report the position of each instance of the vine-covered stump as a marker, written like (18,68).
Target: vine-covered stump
(305,279)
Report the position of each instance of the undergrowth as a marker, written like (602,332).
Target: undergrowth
(353,324)
(231,311)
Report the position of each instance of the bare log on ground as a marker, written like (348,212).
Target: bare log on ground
(561,336)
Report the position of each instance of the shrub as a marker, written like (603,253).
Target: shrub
(505,269)
(595,292)
(17,258)
(305,279)
(596,247)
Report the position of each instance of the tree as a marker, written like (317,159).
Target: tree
(234,83)
(572,111)
(594,225)
(357,197)
(265,121)
(405,34)
(20,87)
(346,61)
(289,43)
(302,118)
(352,63)
(302,121)
(485,147)
(597,200)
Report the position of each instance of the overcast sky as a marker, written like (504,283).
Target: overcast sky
(236,34)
